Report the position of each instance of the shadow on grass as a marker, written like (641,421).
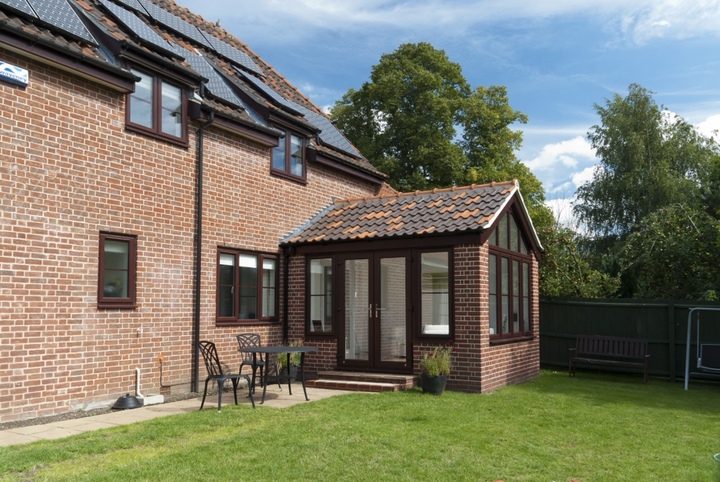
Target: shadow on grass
(599,388)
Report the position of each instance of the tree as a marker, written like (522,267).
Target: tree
(419,121)
(652,206)
(565,270)
(404,119)
(649,159)
(672,253)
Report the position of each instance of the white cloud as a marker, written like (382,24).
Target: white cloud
(586,175)
(565,154)
(710,127)
(673,19)
(638,20)
(562,210)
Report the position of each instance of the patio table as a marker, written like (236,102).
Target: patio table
(275,349)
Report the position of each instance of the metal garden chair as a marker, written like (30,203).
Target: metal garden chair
(252,340)
(215,372)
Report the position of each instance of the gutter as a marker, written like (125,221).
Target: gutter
(198,253)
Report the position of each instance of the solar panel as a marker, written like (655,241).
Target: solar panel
(136,25)
(292,106)
(329,134)
(233,54)
(134,4)
(20,5)
(216,84)
(61,15)
(175,23)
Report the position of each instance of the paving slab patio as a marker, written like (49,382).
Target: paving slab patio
(274,398)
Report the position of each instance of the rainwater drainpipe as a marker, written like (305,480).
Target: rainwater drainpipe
(198,251)
(286,279)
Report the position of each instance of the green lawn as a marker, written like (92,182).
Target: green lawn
(590,428)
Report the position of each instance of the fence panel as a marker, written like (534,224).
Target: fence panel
(663,323)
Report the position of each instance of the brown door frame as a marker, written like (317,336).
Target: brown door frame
(374,320)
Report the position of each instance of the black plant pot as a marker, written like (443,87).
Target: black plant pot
(284,374)
(434,385)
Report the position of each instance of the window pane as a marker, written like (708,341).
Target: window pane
(320,295)
(296,156)
(171,110)
(141,101)
(505,295)
(513,234)
(435,295)
(269,290)
(278,155)
(226,284)
(516,296)
(502,233)
(526,297)
(248,287)
(493,295)
(117,266)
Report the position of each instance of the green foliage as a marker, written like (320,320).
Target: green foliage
(591,427)
(418,121)
(649,159)
(437,362)
(281,358)
(672,253)
(650,206)
(565,270)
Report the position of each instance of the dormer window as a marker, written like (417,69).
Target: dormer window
(157,108)
(288,158)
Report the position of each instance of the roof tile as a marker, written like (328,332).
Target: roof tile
(470,209)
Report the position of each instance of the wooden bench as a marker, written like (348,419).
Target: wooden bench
(610,351)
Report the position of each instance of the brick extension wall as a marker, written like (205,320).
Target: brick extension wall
(70,170)
(478,366)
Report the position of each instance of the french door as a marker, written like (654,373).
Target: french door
(374,311)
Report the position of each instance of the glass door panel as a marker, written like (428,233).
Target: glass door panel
(357,309)
(392,310)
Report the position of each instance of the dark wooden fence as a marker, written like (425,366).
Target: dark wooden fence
(663,323)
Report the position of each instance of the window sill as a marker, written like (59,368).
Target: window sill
(116,306)
(516,339)
(289,177)
(178,141)
(233,322)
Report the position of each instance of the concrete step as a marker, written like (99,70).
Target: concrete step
(362,382)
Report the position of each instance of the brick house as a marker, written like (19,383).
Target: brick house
(162,184)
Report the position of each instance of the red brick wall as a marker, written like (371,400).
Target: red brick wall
(477,366)
(69,170)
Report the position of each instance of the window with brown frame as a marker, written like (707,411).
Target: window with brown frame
(320,294)
(157,108)
(288,158)
(246,286)
(509,282)
(117,271)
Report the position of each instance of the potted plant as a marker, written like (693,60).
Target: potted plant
(281,363)
(435,368)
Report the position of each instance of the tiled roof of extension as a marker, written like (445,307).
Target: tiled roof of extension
(456,210)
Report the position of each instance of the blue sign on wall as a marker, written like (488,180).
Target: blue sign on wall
(13,74)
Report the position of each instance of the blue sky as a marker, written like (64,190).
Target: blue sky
(557,58)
